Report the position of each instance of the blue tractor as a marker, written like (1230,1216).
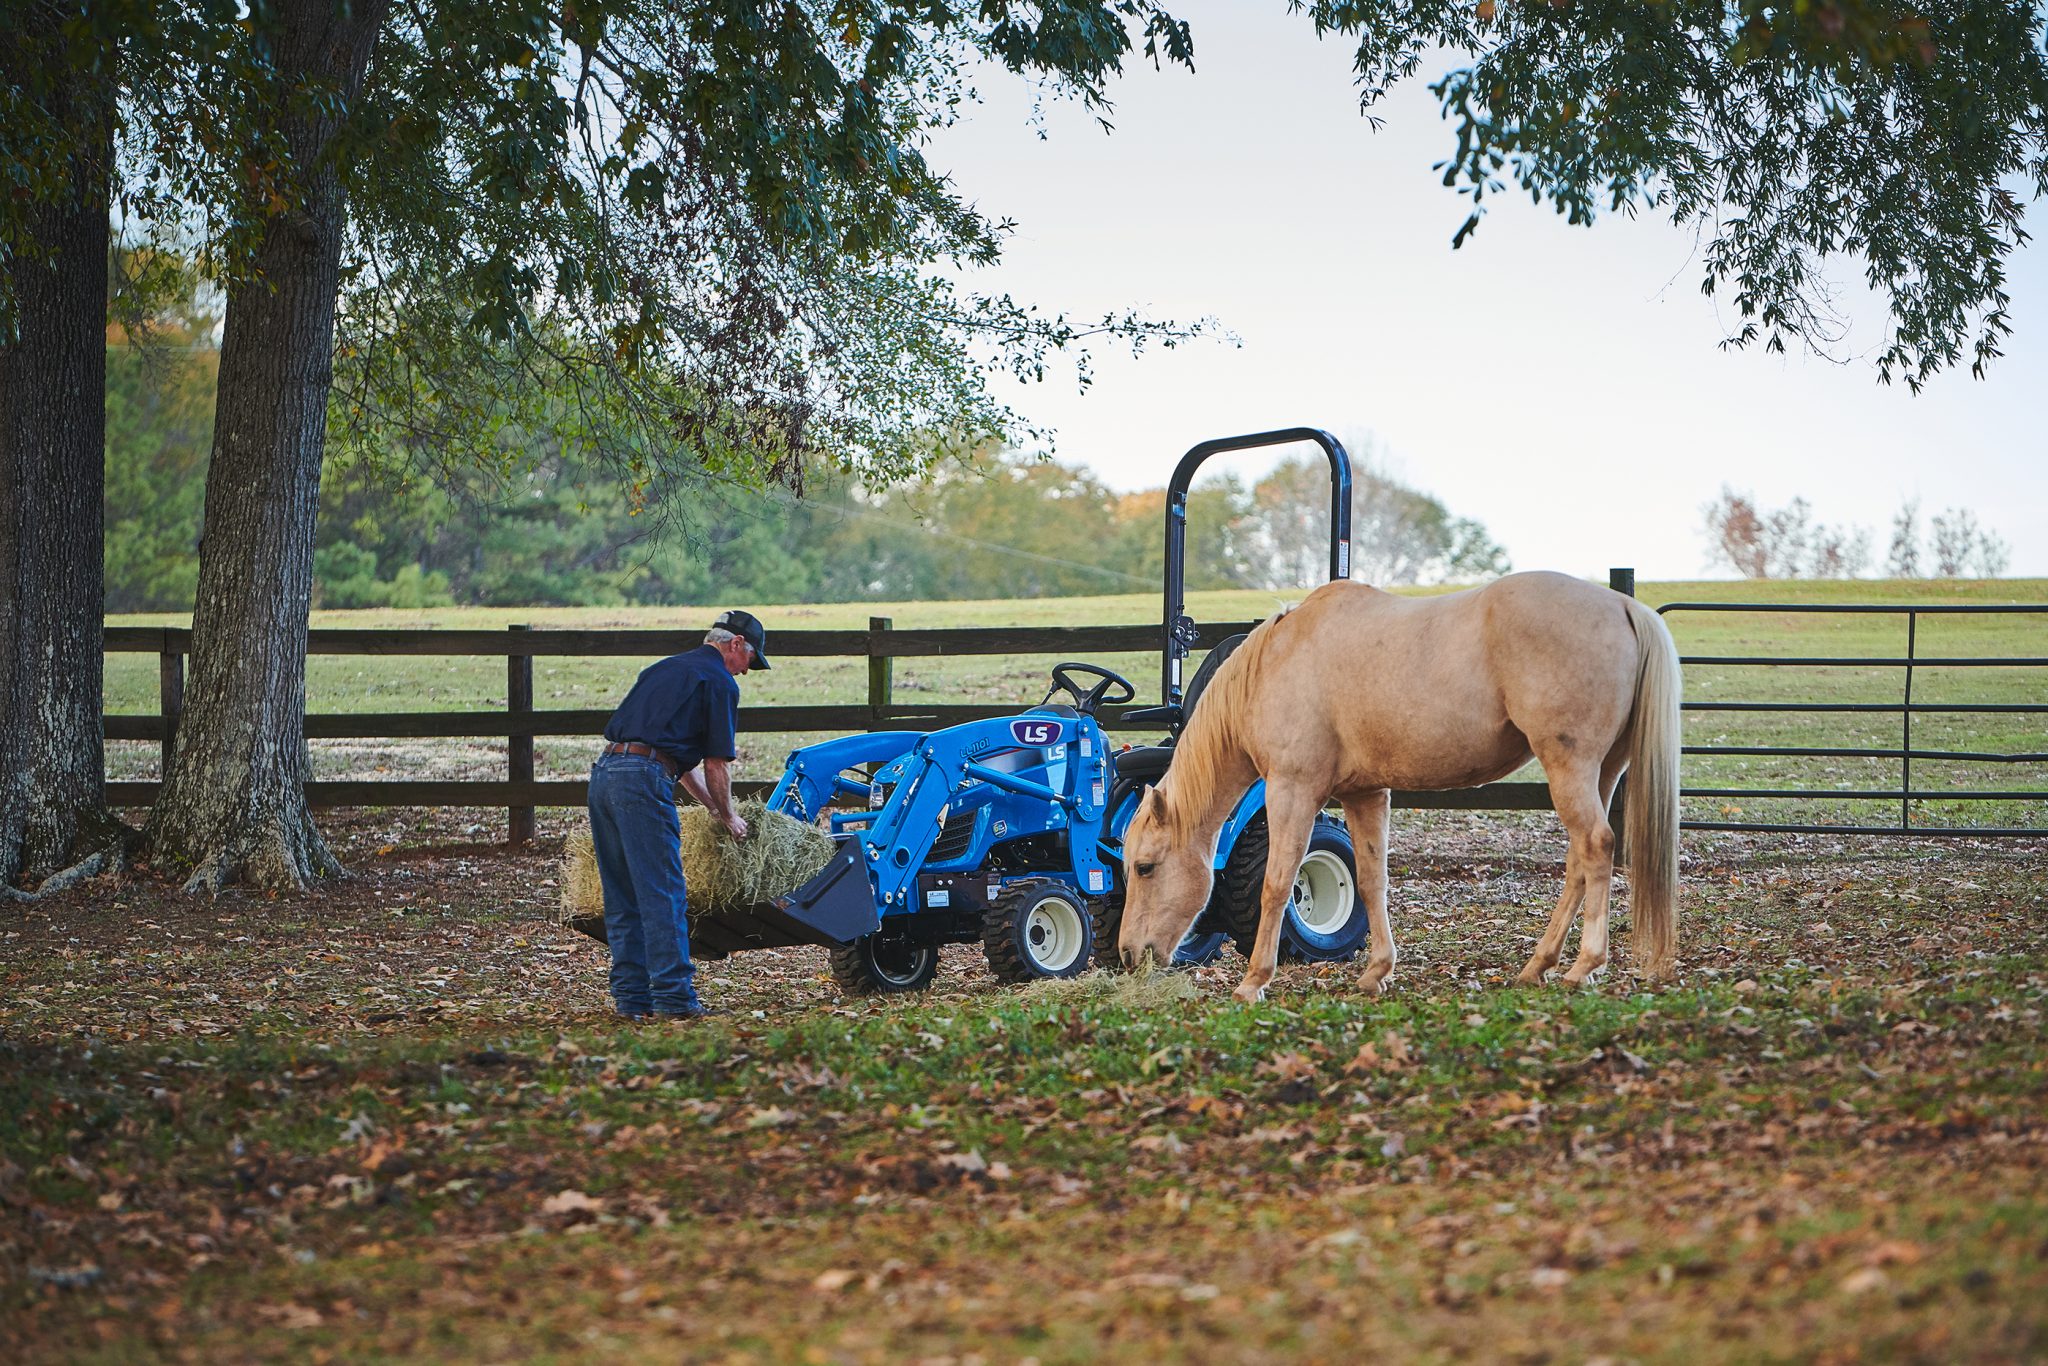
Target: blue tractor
(1007,832)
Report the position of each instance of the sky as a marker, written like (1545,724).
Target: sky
(1562,385)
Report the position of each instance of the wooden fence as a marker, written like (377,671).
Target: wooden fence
(519,723)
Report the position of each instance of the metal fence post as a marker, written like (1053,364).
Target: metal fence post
(170,693)
(1906,726)
(881,671)
(519,748)
(1622,581)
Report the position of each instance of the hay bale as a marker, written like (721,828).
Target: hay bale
(582,893)
(779,855)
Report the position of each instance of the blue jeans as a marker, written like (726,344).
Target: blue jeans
(633,826)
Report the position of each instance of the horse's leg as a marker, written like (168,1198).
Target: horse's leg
(1581,798)
(1551,946)
(1580,804)
(1367,818)
(1290,814)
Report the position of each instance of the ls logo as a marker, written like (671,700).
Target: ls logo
(1034,732)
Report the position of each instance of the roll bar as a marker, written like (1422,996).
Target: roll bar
(1179,628)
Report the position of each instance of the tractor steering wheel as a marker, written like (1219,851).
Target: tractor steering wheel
(1086,702)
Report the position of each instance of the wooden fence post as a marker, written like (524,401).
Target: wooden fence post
(519,748)
(881,673)
(170,693)
(1622,581)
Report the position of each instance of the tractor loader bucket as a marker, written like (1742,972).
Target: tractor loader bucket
(835,907)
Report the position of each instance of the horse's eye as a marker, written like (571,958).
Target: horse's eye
(1145,870)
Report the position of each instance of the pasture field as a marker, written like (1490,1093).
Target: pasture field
(355,683)
(391,1120)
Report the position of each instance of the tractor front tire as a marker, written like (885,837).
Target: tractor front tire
(1038,927)
(1326,920)
(874,966)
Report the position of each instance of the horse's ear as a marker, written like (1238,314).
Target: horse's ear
(1152,803)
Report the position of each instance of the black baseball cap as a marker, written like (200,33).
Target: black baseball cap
(747,627)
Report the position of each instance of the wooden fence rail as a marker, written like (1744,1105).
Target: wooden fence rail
(518,723)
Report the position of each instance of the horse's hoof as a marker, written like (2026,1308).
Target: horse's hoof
(1249,994)
(1529,977)
(1571,983)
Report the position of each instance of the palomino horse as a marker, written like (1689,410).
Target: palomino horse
(1357,692)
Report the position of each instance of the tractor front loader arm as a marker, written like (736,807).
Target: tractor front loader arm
(899,839)
(814,775)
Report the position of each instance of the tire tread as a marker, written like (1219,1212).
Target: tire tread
(999,930)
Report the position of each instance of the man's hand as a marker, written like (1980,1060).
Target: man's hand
(717,796)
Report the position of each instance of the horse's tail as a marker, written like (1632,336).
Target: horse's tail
(1651,818)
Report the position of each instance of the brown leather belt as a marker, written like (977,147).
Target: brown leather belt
(668,765)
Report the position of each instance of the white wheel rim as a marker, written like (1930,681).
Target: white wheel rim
(1054,934)
(1325,893)
(918,958)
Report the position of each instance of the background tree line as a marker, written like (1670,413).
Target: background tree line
(558,531)
(1791,543)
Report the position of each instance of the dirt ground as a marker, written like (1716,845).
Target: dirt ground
(433,924)
(255,1127)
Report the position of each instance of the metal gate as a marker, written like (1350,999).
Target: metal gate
(1906,709)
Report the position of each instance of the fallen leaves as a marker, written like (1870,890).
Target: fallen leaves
(292,1317)
(1894,1252)
(1178,1287)
(1168,1143)
(572,1206)
(1390,1054)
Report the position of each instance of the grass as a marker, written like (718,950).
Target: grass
(353,683)
(393,1122)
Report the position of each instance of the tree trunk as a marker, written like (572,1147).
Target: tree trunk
(53,368)
(233,804)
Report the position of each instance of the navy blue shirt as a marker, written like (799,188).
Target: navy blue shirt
(686,706)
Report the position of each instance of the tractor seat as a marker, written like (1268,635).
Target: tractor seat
(1147,763)
(1144,764)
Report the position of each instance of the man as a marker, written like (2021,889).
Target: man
(680,717)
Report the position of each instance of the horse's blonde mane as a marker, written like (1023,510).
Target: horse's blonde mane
(1216,730)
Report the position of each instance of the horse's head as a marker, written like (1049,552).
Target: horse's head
(1166,882)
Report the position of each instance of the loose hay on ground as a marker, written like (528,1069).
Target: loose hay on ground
(778,856)
(1139,991)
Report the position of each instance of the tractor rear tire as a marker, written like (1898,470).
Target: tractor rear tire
(1328,866)
(1038,927)
(1106,924)
(874,966)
